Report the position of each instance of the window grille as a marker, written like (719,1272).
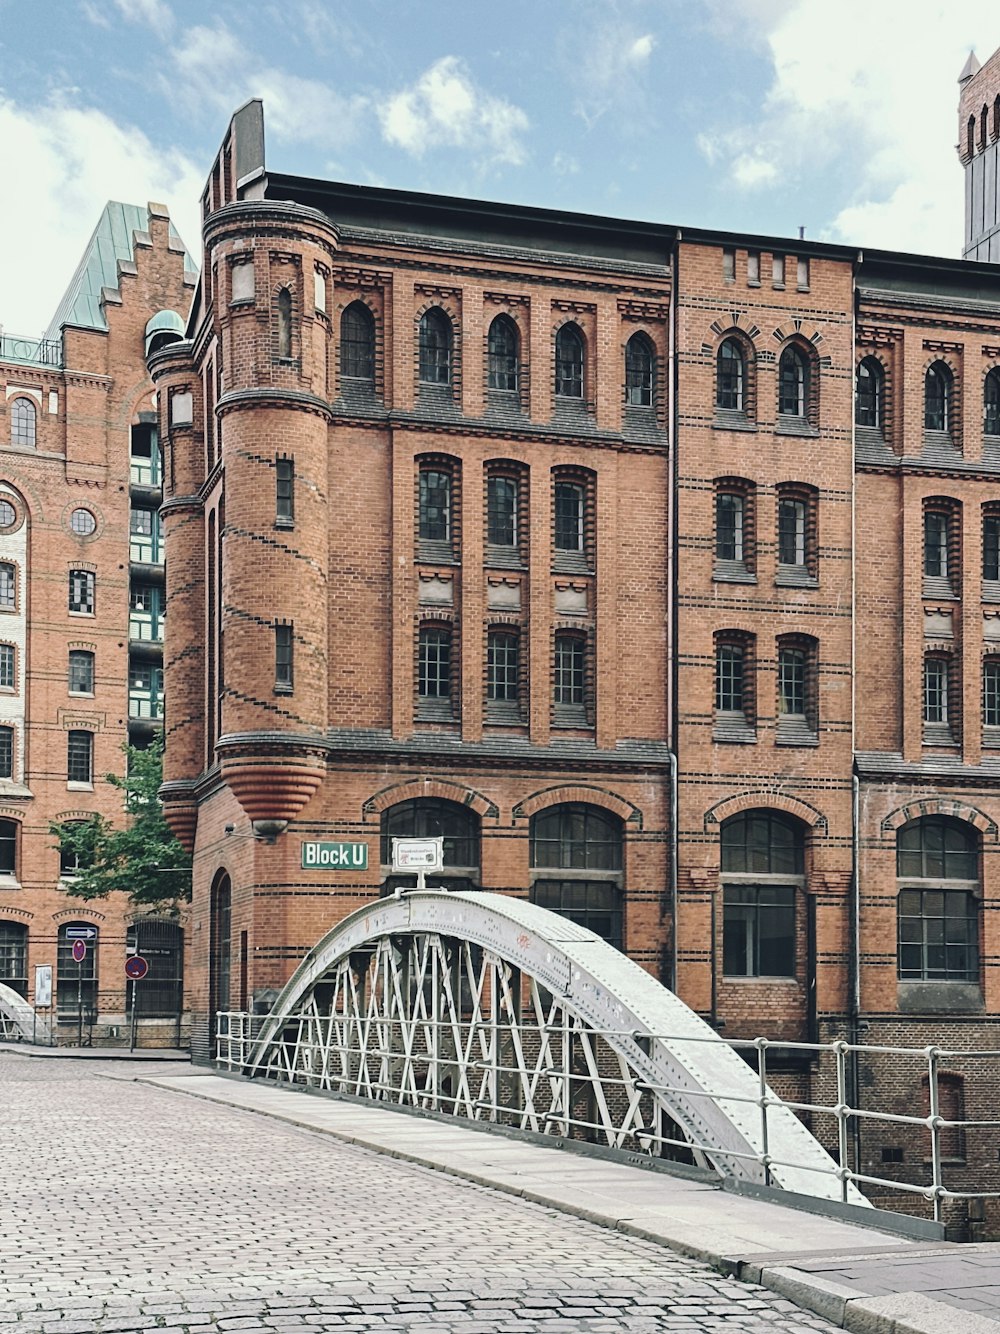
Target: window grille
(81,591)
(569,362)
(79,757)
(503,349)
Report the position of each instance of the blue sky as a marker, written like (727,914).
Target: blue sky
(758,115)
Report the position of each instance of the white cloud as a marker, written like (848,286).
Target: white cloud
(213,70)
(860,91)
(155,13)
(606,64)
(444,108)
(564,164)
(76,159)
(640,50)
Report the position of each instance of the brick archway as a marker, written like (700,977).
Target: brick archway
(416,788)
(579,792)
(761,800)
(957,810)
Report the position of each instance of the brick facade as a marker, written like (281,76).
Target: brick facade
(71,481)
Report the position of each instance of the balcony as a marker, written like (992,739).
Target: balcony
(31,351)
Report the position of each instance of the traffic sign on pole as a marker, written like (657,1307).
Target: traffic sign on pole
(79,951)
(82,932)
(136,967)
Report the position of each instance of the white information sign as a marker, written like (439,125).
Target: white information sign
(43,985)
(418,854)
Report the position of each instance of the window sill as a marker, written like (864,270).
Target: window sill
(430,551)
(732,572)
(284,524)
(278,690)
(89,615)
(795,576)
(991,738)
(79,787)
(785,424)
(915,997)
(8,881)
(732,419)
(80,694)
(991,590)
(938,736)
(504,558)
(733,729)
(9,789)
(571,562)
(780,978)
(435,712)
(938,586)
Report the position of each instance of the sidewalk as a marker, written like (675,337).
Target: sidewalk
(858,1278)
(95,1053)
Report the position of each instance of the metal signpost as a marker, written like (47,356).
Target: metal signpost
(81,936)
(418,854)
(136,968)
(43,994)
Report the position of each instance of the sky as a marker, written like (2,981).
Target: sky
(749,115)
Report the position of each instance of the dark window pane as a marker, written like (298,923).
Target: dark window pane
(792,383)
(937,387)
(435,505)
(569,669)
(868,398)
(595,905)
(502,666)
(569,362)
(729,376)
(569,498)
(639,371)
(762,842)
(357,342)
(503,347)
(729,511)
(434,664)
(433,818)
(435,347)
(502,511)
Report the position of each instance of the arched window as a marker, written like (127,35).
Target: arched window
(432,817)
(357,343)
(502,510)
(503,671)
(793,383)
(730,376)
(23,418)
(284,306)
(569,362)
(220,947)
(434,670)
(763,869)
(434,504)
(583,845)
(14,956)
(76,980)
(734,524)
(996,117)
(503,352)
(6,752)
(983,122)
(868,405)
(937,398)
(991,402)
(640,372)
(161,944)
(435,347)
(937,868)
(9,830)
(970,136)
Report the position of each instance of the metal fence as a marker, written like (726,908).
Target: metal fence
(33,351)
(420,1064)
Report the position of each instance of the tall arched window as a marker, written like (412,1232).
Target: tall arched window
(576,867)
(503,674)
(432,817)
(434,668)
(763,869)
(435,347)
(220,948)
(937,869)
(285,324)
(983,123)
(23,418)
(357,343)
(793,383)
(14,956)
(76,980)
(991,402)
(569,362)
(937,397)
(730,376)
(868,406)
(503,352)
(9,830)
(970,136)
(640,372)
(161,944)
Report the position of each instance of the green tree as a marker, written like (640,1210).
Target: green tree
(142,858)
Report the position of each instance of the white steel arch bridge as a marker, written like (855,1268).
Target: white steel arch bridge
(497,1010)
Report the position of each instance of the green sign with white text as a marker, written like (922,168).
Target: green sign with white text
(335,856)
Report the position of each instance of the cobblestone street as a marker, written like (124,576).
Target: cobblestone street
(126,1207)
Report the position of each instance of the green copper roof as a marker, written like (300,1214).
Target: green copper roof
(111,242)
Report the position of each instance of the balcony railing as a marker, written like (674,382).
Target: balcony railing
(31,351)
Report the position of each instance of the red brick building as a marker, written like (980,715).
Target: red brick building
(658,572)
(81,598)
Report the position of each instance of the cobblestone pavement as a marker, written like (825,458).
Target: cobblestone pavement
(125,1207)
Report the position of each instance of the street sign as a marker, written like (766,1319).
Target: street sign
(136,967)
(417,854)
(43,985)
(79,951)
(81,932)
(335,856)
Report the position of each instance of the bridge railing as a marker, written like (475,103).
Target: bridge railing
(442,1066)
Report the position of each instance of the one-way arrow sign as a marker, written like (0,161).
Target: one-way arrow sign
(81,933)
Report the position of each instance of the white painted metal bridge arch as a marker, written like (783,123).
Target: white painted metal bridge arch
(498,1010)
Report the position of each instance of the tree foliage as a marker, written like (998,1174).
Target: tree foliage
(142,857)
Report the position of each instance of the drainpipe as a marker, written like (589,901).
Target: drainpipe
(854,980)
(672,612)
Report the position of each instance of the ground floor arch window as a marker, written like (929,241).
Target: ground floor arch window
(763,874)
(76,982)
(14,956)
(161,944)
(576,867)
(433,817)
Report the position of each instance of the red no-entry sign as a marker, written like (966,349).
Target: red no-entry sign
(136,967)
